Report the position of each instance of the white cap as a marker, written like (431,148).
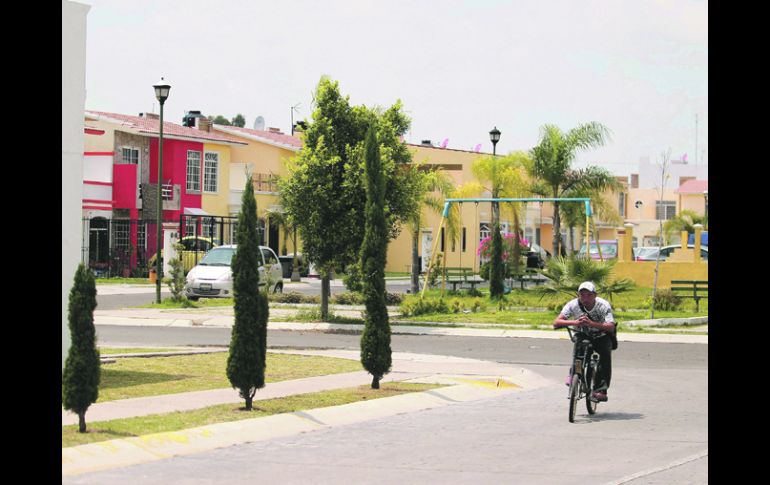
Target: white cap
(587,285)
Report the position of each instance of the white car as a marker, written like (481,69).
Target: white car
(212,277)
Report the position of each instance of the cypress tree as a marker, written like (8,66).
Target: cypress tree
(496,268)
(80,380)
(375,341)
(248,342)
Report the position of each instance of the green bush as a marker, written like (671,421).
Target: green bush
(393,298)
(294,297)
(665,300)
(414,306)
(348,298)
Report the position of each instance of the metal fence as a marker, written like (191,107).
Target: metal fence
(124,247)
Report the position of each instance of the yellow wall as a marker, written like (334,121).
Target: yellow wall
(642,273)
(400,250)
(217,204)
(259,158)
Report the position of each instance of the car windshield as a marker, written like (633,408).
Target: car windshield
(607,249)
(218,257)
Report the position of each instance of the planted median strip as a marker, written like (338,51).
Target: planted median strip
(138,426)
(142,377)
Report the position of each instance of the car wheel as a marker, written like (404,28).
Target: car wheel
(278,288)
(193,298)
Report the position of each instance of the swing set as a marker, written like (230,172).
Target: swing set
(445,215)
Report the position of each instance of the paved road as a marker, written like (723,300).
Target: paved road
(653,430)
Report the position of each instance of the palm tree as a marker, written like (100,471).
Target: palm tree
(553,157)
(566,274)
(685,221)
(430,182)
(591,183)
(502,177)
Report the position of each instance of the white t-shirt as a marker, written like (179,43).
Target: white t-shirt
(600,313)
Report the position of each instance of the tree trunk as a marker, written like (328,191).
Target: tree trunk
(249,403)
(325,290)
(556,229)
(375,382)
(416,266)
(82,422)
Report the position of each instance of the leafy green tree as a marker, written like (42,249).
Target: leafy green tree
(80,379)
(221,120)
(375,340)
(239,121)
(248,343)
(325,192)
(553,157)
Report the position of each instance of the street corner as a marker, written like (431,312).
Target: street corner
(123,452)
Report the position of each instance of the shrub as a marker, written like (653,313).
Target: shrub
(665,300)
(416,306)
(393,298)
(348,298)
(294,297)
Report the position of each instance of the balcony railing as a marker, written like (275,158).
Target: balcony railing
(265,182)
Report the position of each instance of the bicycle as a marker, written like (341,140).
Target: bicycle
(583,372)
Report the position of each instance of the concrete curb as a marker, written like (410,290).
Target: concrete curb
(130,451)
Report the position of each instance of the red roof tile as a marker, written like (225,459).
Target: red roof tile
(693,187)
(152,126)
(279,138)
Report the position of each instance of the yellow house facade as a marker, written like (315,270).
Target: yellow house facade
(264,157)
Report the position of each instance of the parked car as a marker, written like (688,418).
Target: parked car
(212,277)
(666,251)
(646,253)
(536,257)
(195,247)
(609,249)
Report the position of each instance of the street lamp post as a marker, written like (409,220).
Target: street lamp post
(706,201)
(161,93)
(494,136)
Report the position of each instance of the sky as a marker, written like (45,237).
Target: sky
(460,68)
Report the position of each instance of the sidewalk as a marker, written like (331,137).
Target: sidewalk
(223,317)
(468,380)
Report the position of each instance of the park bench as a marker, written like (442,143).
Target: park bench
(461,276)
(696,287)
(529,274)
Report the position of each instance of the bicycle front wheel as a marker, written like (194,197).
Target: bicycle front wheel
(591,379)
(574,394)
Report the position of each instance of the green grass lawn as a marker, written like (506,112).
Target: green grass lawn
(124,428)
(139,377)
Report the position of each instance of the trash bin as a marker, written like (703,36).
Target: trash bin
(287,265)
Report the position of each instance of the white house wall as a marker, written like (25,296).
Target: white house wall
(73,82)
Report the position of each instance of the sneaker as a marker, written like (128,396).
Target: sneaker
(600,396)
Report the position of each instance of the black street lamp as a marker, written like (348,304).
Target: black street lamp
(494,136)
(706,202)
(161,93)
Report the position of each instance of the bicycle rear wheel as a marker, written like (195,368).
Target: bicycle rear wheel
(574,394)
(591,379)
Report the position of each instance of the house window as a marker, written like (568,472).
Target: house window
(622,204)
(193,171)
(129,156)
(665,210)
(210,172)
(121,234)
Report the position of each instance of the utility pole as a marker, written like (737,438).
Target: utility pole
(663,177)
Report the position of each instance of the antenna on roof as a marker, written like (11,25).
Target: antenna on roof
(293,109)
(259,123)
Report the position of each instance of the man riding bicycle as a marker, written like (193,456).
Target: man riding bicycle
(594,319)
